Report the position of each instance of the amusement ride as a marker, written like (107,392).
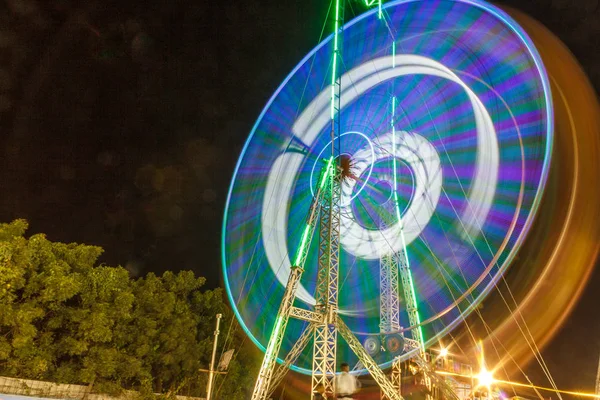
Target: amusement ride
(385,188)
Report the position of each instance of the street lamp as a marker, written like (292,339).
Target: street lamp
(485,378)
(443,352)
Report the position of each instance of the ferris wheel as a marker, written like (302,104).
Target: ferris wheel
(385,189)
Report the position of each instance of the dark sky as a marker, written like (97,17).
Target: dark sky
(122,121)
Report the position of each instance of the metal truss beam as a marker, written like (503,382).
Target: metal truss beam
(326,296)
(410,298)
(389,311)
(370,364)
(266,370)
(291,358)
(397,375)
(306,315)
(435,379)
(324,352)
(411,344)
(265,374)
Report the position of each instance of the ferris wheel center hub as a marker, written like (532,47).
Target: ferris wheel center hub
(345,164)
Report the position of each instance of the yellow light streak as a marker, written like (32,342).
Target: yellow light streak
(524,385)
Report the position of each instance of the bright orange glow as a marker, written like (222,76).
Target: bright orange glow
(566,231)
(524,385)
(485,378)
(443,352)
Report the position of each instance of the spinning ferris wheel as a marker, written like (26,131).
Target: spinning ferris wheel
(386,187)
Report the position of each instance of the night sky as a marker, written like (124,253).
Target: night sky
(122,122)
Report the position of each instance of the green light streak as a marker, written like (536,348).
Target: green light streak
(333,85)
(394,161)
(337,24)
(335,56)
(394,55)
(394,155)
(307,229)
(302,245)
(369,3)
(270,351)
(327,171)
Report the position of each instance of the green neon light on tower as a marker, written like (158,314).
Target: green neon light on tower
(397,206)
(412,288)
(398,216)
(270,351)
(302,245)
(335,56)
(307,228)
(327,172)
(369,3)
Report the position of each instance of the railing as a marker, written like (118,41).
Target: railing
(42,389)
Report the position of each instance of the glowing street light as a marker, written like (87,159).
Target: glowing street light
(443,352)
(485,378)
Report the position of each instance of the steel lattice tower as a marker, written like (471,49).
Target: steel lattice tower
(324,320)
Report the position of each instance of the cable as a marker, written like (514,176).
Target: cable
(258,240)
(269,202)
(534,348)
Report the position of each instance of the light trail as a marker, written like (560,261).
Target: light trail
(524,385)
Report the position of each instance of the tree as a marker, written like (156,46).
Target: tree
(65,319)
(59,311)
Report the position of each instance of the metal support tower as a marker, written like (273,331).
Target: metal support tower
(389,311)
(397,375)
(265,374)
(292,356)
(401,256)
(324,320)
(435,379)
(394,264)
(410,299)
(367,361)
(326,296)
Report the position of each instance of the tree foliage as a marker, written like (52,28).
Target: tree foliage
(68,320)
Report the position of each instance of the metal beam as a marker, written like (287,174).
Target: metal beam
(306,315)
(437,380)
(410,298)
(326,296)
(291,358)
(265,374)
(266,370)
(370,364)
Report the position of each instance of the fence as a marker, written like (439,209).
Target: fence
(31,388)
